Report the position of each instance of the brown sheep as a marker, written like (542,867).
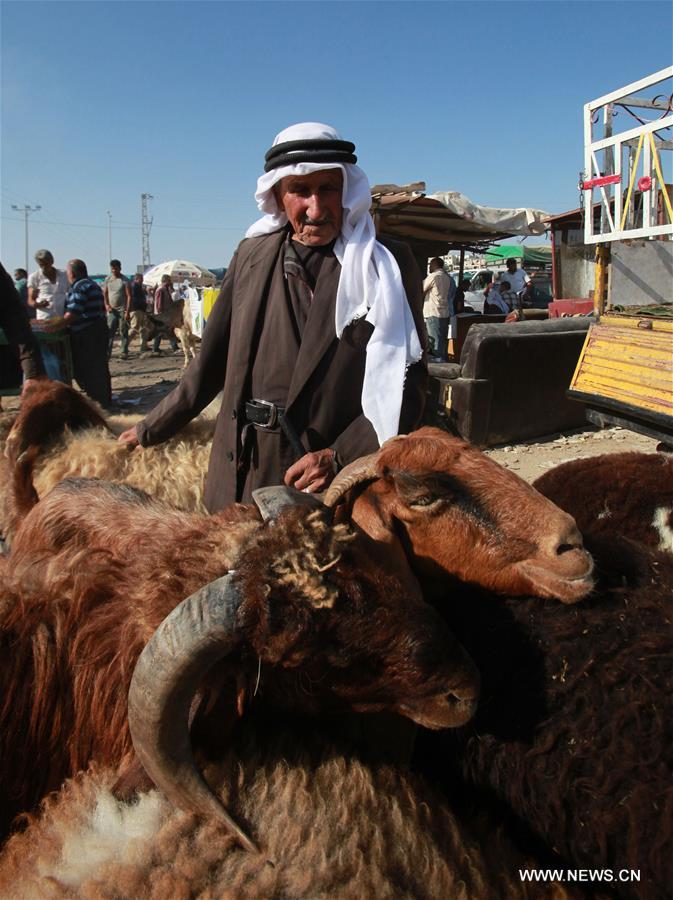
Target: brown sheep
(62,434)
(617,495)
(318,625)
(433,503)
(573,734)
(337,827)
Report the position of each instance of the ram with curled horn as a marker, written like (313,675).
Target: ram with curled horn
(294,616)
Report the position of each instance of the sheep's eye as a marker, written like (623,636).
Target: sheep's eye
(425,500)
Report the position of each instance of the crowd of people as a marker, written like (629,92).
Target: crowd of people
(443,300)
(92,314)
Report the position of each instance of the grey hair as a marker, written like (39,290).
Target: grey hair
(44,255)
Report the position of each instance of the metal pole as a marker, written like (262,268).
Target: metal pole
(109,235)
(26,210)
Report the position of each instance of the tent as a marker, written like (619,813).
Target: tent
(179,270)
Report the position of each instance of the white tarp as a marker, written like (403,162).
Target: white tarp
(196,309)
(448,218)
(521,221)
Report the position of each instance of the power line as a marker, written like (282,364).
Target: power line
(135,227)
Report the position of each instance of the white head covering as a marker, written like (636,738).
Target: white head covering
(370,283)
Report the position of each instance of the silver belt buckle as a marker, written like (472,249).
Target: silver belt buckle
(273,413)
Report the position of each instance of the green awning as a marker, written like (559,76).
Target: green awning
(538,256)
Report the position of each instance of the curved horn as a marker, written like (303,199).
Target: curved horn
(363,469)
(195,635)
(271,501)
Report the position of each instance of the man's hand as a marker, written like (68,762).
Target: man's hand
(129,437)
(313,472)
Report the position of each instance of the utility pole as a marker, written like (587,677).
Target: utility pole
(146,225)
(26,210)
(109,235)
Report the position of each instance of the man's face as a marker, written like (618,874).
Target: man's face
(312,204)
(68,272)
(116,271)
(46,263)
(511,265)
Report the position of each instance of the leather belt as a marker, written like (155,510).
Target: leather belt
(263,413)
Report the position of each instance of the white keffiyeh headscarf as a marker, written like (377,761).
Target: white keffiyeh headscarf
(370,283)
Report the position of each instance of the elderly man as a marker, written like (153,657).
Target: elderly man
(317,336)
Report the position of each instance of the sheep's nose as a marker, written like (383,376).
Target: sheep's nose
(564,539)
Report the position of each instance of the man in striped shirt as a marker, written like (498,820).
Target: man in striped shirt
(85,317)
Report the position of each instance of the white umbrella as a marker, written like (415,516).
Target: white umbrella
(179,270)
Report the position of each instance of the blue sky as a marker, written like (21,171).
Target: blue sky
(104,100)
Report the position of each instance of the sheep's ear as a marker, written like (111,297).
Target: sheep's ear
(271,501)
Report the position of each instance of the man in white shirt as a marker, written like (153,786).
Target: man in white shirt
(47,287)
(436,288)
(518,279)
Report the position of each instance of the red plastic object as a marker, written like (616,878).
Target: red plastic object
(644,183)
(570,307)
(601,182)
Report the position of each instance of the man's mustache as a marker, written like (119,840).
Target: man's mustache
(326,220)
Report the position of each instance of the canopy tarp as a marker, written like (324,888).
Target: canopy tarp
(436,223)
(531,256)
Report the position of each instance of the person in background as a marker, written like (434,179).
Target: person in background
(117,296)
(138,314)
(85,317)
(436,309)
(510,297)
(459,298)
(21,285)
(494,304)
(165,308)
(317,337)
(518,279)
(47,289)
(16,327)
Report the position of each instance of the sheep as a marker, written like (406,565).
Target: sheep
(318,627)
(407,498)
(180,325)
(433,504)
(573,735)
(64,434)
(621,494)
(337,826)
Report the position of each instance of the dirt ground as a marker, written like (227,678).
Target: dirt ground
(140,382)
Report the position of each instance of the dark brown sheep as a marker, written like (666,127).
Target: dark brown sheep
(617,495)
(314,624)
(574,734)
(337,826)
